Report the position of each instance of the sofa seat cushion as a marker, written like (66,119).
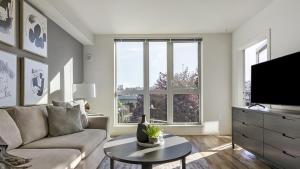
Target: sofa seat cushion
(49,158)
(85,141)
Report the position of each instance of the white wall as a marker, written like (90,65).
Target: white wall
(216,76)
(282,18)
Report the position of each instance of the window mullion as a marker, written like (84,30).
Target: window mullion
(169,82)
(146,81)
(115,114)
(200,82)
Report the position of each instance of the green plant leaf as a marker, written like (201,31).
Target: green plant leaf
(152,131)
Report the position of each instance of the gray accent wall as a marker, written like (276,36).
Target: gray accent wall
(61,48)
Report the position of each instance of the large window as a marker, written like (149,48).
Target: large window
(159,78)
(253,55)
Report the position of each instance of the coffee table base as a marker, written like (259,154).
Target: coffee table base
(148,166)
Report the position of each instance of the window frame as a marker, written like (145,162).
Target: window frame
(171,90)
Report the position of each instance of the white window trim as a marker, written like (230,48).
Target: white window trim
(170,89)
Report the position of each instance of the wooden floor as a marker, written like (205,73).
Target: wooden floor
(219,154)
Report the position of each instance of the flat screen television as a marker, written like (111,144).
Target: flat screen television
(277,81)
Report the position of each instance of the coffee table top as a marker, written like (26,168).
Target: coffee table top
(126,149)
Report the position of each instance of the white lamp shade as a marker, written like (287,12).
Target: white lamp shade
(84,91)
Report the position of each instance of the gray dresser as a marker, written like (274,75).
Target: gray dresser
(272,135)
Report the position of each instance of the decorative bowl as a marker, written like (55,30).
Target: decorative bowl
(149,145)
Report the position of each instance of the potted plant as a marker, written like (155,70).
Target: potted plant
(153,133)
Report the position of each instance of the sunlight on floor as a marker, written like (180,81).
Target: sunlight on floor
(198,155)
(237,148)
(221,147)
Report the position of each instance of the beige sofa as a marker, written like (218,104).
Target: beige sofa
(25,130)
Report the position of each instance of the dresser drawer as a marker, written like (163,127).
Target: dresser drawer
(238,126)
(248,130)
(254,118)
(282,142)
(238,114)
(248,116)
(254,132)
(249,144)
(281,158)
(289,126)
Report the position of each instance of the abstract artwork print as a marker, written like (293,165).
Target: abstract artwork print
(8,21)
(8,79)
(35,82)
(34,31)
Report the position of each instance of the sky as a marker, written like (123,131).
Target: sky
(130,68)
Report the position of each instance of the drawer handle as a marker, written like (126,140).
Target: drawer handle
(286,118)
(284,135)
(244,135)
(243,110)
(284,152)
(244,123)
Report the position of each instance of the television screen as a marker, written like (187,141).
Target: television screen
(277,81)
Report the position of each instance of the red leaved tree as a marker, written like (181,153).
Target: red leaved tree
(185,106)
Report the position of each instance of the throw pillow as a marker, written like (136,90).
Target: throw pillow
(64,120)
(84,118)
(62,104)
(31,121)
(9,131)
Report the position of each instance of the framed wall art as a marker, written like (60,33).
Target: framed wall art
(35,82)
(34,30)
(8,79)
(8,22)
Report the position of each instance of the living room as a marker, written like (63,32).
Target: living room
(149,84)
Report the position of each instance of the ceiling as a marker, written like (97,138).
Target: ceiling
(157,16)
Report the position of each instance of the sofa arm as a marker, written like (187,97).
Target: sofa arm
(99,122)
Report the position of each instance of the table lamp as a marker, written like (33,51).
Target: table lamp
(84,91)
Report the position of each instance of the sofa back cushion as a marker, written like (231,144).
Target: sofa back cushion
(9,131)
(64,120)
(31,121)
(62,104)
(84,118)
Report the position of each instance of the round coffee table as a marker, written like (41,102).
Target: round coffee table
(126,149)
